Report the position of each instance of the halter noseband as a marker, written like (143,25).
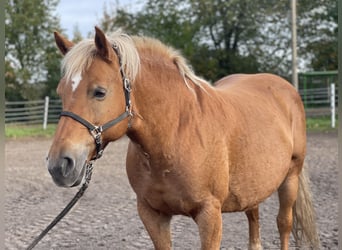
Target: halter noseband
(96,131)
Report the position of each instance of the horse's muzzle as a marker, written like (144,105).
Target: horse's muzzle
(66,171)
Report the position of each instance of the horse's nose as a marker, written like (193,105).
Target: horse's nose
(67,166)
(62,168)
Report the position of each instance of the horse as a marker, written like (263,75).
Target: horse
(195,149)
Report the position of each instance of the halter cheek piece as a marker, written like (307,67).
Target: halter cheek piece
(96,131)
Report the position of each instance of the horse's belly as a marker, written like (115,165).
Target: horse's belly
(248,189)
(237,202)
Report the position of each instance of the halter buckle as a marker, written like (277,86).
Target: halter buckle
(96,132)
(127,85)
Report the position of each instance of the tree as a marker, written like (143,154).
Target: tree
(227,27)
(218,37)
(319,28)
(165,20)
(30,52)
(221,37)
(77,35)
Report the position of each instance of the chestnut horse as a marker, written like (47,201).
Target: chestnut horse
(195,149)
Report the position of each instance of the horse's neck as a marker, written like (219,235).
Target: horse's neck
(167,111)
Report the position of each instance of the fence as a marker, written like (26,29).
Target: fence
(317,102)
(321,102)
(33,112)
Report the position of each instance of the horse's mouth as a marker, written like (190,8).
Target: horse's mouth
(80,177)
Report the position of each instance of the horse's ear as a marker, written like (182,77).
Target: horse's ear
(103,46)
(63,44)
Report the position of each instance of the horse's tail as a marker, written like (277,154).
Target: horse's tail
(304,220)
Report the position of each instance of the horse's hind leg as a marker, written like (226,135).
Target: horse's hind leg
(157,225)
(287,196)
(254,231)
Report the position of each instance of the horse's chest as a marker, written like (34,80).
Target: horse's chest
(165,193)
(165,189)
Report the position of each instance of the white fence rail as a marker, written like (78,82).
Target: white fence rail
(33,112)
(321,102)
(318,102)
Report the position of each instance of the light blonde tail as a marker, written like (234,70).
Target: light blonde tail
(304,220)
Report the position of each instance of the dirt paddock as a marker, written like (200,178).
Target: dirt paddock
(106,217)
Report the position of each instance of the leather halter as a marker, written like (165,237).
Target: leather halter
(96,131)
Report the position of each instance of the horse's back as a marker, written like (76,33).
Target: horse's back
(254,82)
(265,92)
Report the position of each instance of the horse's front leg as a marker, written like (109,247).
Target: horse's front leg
(157,225)
(209,221)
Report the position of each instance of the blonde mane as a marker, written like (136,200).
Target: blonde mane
(81,56)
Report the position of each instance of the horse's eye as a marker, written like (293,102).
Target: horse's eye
(99,93)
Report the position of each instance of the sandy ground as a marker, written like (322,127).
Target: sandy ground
(106,217)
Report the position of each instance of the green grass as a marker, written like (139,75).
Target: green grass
(22,131)
(320,124)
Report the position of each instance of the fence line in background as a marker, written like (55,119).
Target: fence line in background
(321,102)
(317,102)
(33,112)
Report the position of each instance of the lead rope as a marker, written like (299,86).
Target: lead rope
(89,171)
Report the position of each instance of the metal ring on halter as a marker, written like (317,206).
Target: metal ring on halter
(127,85)
(96,133)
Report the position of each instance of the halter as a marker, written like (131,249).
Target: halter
(96,131)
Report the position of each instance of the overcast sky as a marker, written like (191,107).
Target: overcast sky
(87,13)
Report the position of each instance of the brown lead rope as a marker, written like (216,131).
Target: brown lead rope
(89,169)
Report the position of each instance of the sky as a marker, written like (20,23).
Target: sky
(87,13)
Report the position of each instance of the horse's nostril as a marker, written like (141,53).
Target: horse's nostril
(67,165)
